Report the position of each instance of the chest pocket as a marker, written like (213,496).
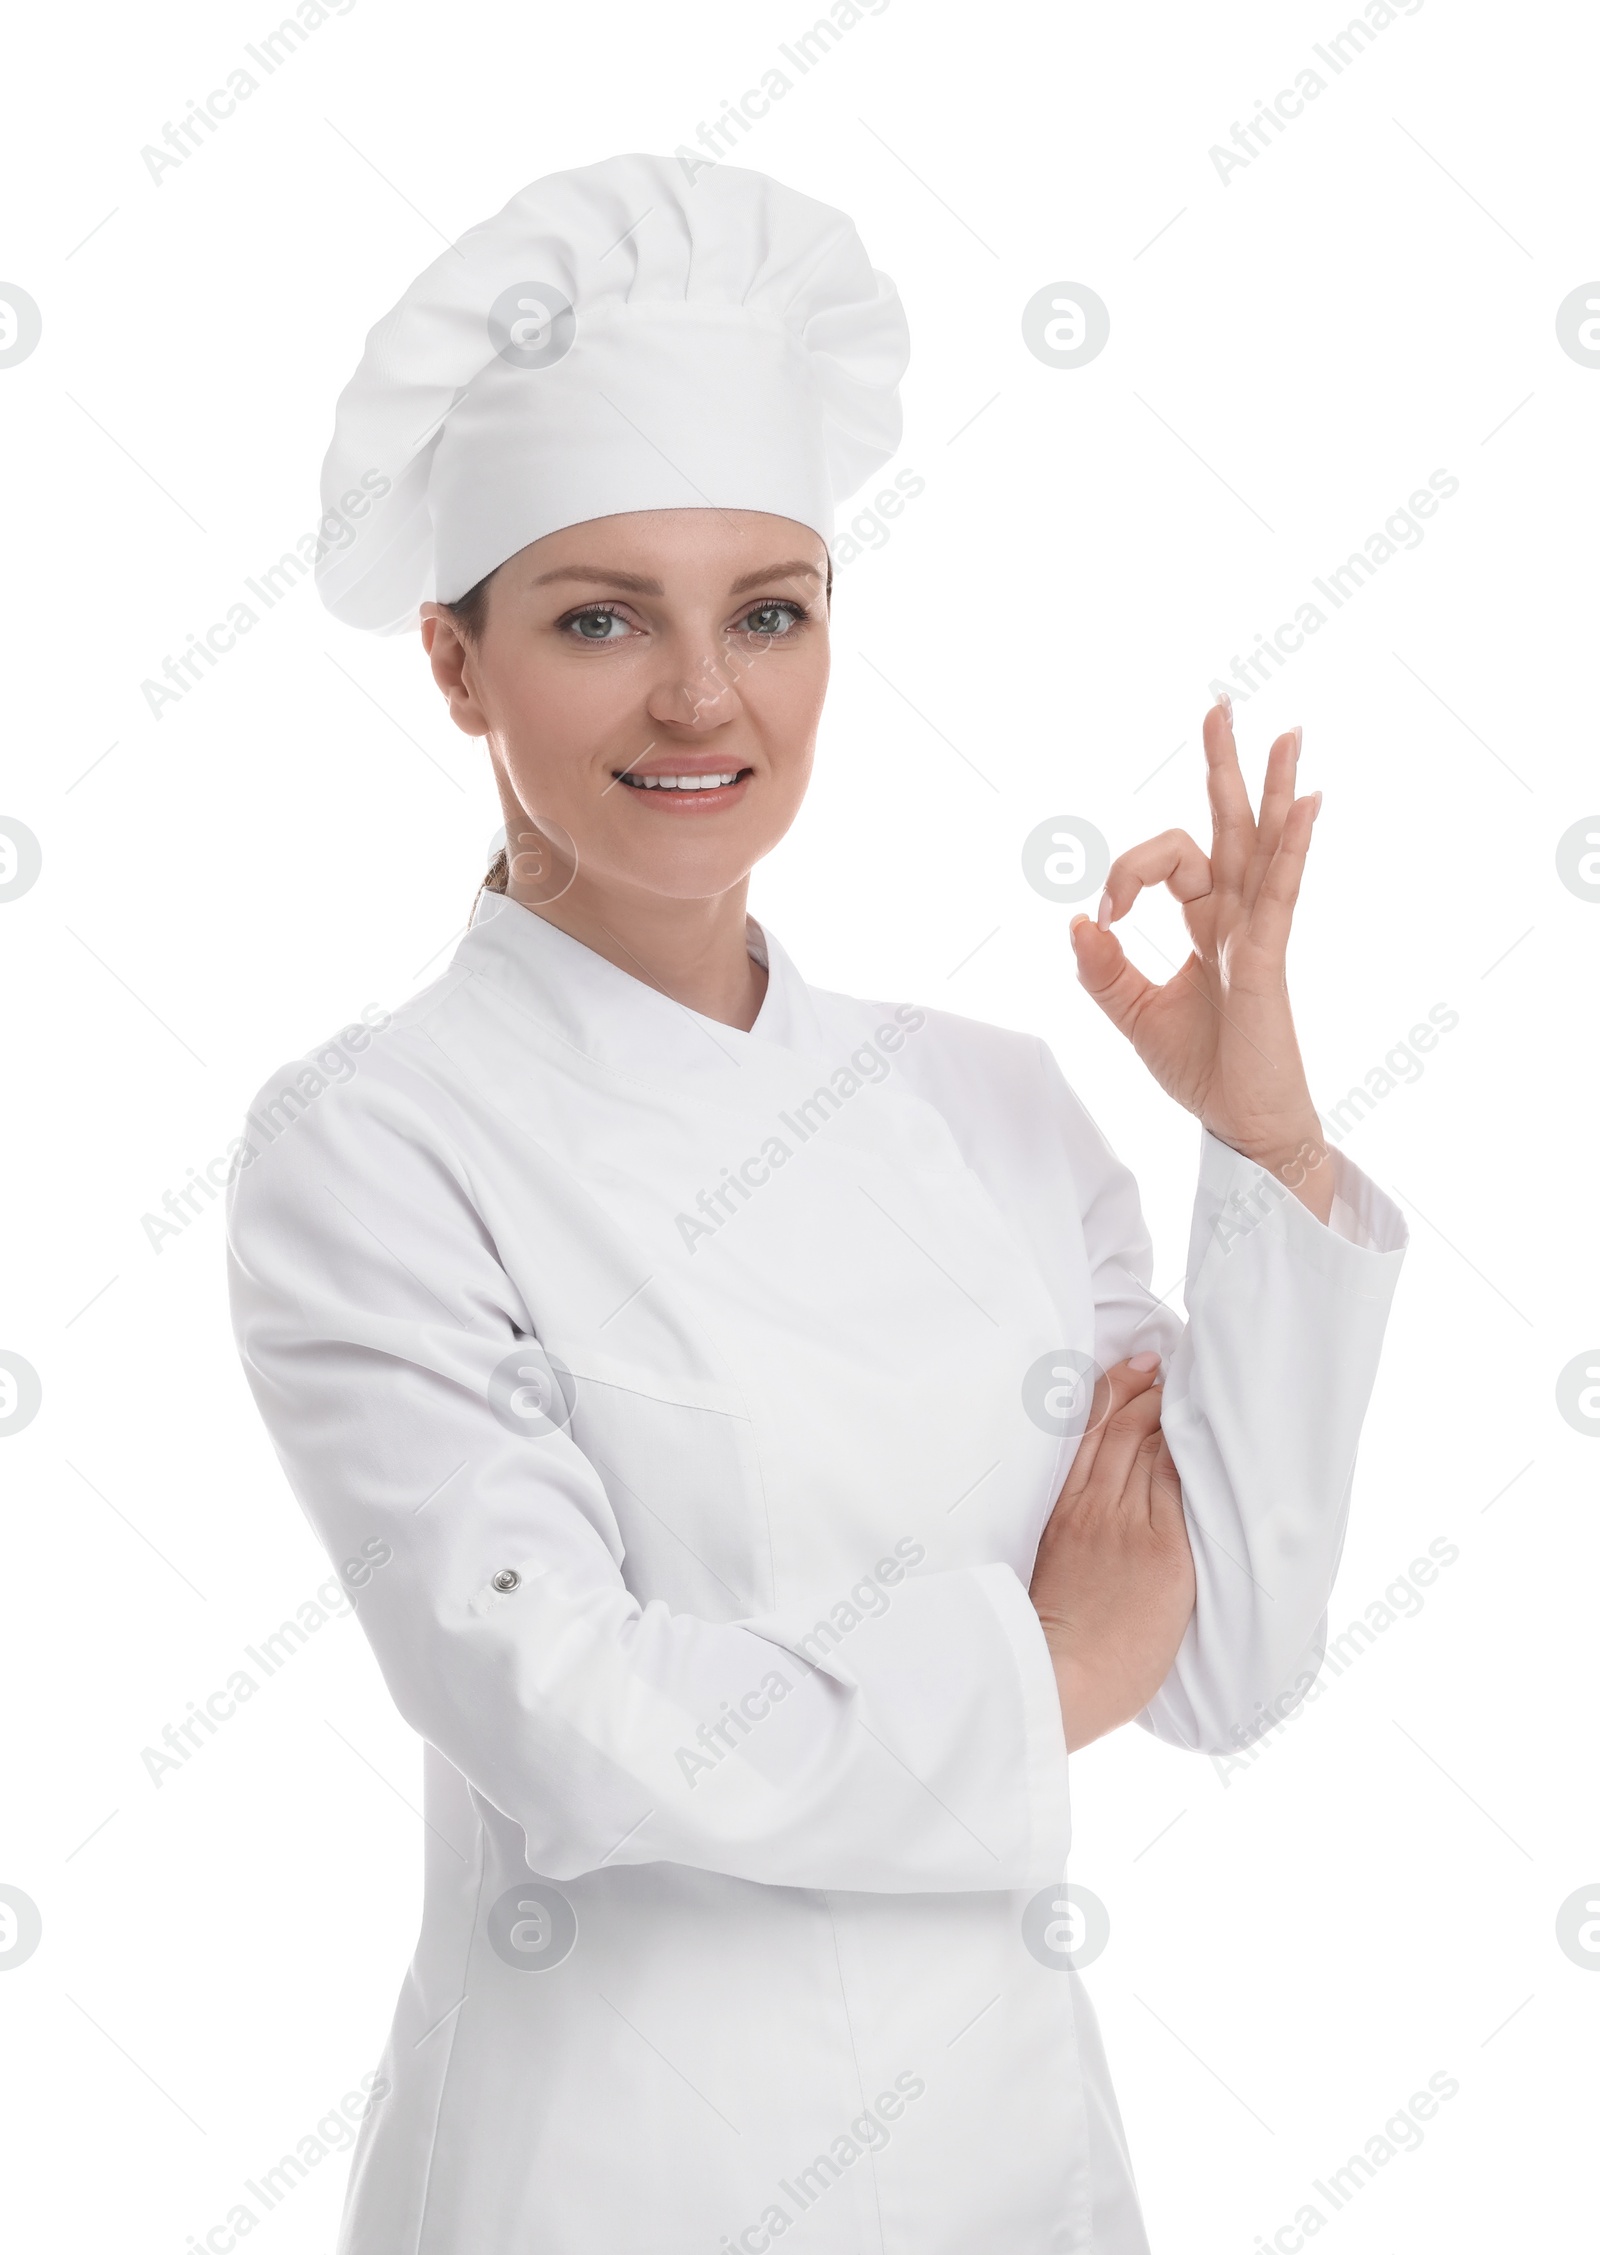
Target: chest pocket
(677,1457)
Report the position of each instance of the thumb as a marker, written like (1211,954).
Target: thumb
(1105,972)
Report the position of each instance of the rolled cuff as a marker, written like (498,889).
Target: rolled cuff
(1359,1248)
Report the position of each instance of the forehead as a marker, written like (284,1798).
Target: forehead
(660,548)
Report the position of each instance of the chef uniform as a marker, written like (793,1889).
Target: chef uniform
(694,1400)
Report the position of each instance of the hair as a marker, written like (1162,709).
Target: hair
(470,612)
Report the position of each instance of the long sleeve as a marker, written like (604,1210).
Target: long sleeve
(371,1311)
(1267,1384)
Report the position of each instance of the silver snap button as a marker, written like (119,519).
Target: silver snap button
(507,1579)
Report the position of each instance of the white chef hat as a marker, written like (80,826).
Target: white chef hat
(619,337)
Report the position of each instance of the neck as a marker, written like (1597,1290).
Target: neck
(692,950)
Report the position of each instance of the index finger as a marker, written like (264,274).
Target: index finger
(1171,859)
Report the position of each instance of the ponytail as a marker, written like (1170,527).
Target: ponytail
(496,881)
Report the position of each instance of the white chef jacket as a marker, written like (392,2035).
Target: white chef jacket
(677,1381)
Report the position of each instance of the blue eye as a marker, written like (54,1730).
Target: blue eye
(601,616)
(754,622)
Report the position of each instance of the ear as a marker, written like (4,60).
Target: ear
(450,656)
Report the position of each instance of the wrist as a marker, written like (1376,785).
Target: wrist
(1300,1158)
(1285,1147)
(1084,1716)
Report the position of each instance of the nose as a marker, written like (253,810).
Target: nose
(697,696)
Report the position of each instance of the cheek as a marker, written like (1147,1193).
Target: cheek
(783,707)
(557,723)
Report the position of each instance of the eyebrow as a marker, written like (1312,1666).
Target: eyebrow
(631,583)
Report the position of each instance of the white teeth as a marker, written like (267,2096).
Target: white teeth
(680,782)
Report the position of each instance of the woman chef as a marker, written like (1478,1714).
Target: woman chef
(705,1354)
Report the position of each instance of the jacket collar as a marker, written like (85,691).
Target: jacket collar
(621,1019)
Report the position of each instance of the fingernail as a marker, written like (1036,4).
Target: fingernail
(1298,733)
(1225,703)
(1103,913)
(1316,805)
(1146,1361)
(1080,918)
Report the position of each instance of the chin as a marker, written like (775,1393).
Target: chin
(677,867)
(688,874)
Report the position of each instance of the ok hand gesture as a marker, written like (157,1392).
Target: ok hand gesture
(1219,1035)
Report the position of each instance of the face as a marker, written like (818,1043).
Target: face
(650,685)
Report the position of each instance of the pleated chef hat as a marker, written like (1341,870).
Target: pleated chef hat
(616,338)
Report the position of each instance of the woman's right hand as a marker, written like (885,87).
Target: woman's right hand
(1113,1584)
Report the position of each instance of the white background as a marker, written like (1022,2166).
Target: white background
(1295,1946)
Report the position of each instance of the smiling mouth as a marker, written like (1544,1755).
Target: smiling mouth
(723,779)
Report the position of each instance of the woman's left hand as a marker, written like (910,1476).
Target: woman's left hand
(1219,1035)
